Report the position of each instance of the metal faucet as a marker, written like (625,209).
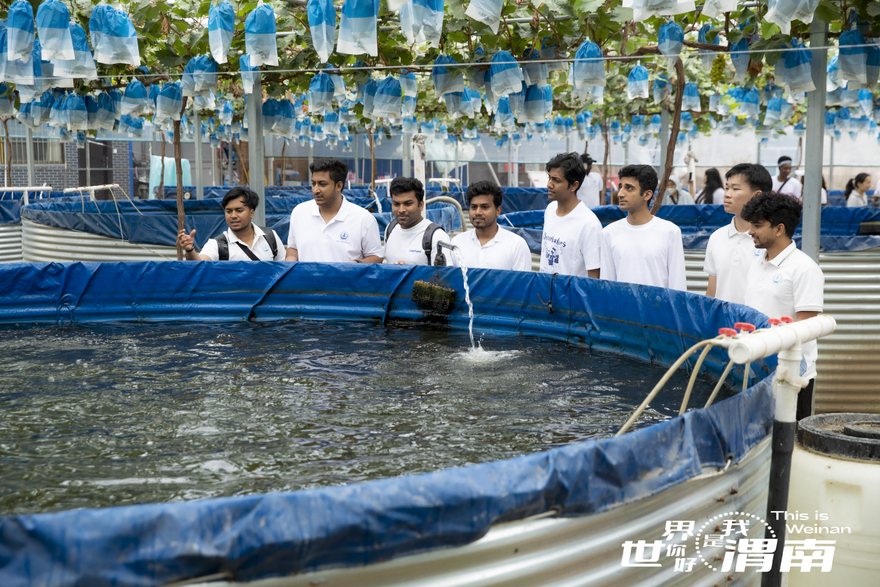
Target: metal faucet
(440,258)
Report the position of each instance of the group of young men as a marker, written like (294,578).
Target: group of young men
(752,261)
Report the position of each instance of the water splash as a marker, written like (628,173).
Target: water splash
(467,297)
(480,356)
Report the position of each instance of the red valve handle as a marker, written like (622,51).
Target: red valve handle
(744,326)
(727,331)
(774,321)
(787,319)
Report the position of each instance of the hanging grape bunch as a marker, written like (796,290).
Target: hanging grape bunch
(717,73)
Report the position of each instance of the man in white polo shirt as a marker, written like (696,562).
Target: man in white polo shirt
(571,243)
(411,239)
(488,245)
(243,241)
(592,193)
(784,281)
(330,229)
(730,251)
(642,248)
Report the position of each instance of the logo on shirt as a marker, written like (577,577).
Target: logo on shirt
(552,256)
(777,279)
(265,248)
(343,236)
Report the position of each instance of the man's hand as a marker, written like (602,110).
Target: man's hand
(187,242)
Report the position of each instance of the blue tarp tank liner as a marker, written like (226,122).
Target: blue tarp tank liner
(697,223)
(156,223)
(10,204)
(257,536)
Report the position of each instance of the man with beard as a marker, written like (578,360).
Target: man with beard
(571,243)
(488,245)
(411,239)
(243,241)
(784,281)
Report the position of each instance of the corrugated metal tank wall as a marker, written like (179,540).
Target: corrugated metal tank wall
(10,243)
(44,244)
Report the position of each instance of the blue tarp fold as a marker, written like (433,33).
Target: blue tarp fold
(258,536)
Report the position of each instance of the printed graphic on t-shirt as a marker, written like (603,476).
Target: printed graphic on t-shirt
(553,250)
(343,236)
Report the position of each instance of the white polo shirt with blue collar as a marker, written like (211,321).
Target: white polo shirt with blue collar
(790,283)
(729,255)
(352,234)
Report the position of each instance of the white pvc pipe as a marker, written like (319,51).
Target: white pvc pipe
(452,201)
(750,347)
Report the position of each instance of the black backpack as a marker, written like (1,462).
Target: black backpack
(223,246)
(427,237)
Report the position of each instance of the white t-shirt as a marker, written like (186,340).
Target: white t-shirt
(649,254)
(405,244)
(790,283)
(506,250)
(718,196)
(352,234)
(792,187)
(591,192)
(571,244)
(729,255)
(856,200)
(260,248)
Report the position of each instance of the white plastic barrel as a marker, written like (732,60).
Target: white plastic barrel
(835,476)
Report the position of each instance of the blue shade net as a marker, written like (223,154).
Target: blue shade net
(637,83)
(357,28)
(387,102)
(117,41)
(507,75)
(320,94)
(322,25)
(54,27)
(853,58)
(660,88)
(487,12)
(446,79)
(797,69)
(135,100)
(739,56)
(82,64)
(20,27)
(259,36)
(670,38)
(221,27)
(248,73)
(169,101)
(782,12)
(707,56)
(690,99)
(422,21)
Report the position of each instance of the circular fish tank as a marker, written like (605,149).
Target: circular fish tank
(317,422)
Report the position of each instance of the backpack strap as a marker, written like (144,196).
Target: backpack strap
(427,237)
(222,247)
(269,235)
(390,227)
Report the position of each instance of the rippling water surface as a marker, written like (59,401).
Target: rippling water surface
(122,414)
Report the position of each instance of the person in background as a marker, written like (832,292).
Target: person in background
(642,248)
(713,188)
(591,193)
(823,191)
(411,239)
(730,251)
(571,243)
(674,195)
(243,241)
(488,245)
(784,281)
(784,183)
(857,190)
(329,228)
